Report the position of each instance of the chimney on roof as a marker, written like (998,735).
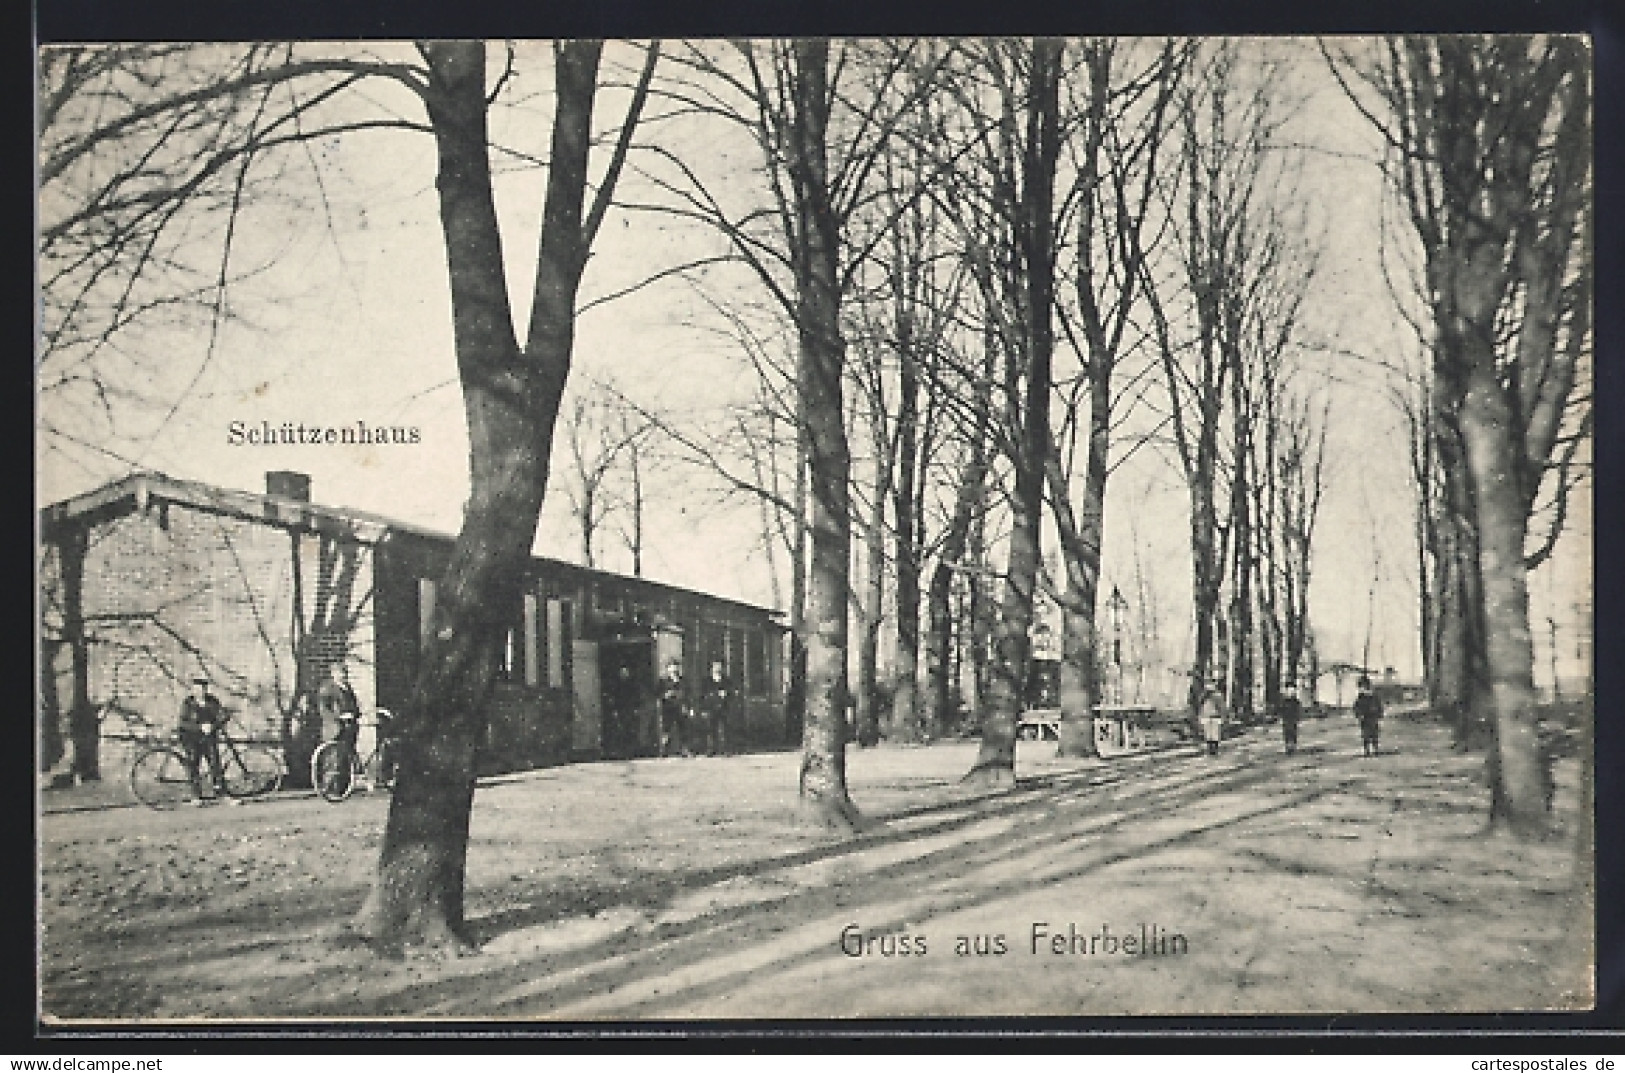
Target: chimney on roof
(288,484)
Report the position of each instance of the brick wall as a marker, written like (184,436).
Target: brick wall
(171,592)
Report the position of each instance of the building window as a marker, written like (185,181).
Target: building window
(516,662)
(566,647)
(508,663)
(756,663)
(560,634)
(533,661)
(425,609)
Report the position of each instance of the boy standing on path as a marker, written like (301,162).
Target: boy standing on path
(1291,710)
(1212,720)
(1368,710)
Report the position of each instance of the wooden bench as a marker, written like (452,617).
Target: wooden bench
(1118,728)
(1122,728)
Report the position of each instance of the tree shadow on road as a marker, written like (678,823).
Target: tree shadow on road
(637,936)
(1007,855)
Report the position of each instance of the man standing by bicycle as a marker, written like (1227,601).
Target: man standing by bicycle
(338,705)
(385,749)
(199,727)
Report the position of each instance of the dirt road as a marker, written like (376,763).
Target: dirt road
(1163,883)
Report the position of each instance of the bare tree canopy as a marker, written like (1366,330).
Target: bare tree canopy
(1490,153)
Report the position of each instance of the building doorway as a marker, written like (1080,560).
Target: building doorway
(626,670)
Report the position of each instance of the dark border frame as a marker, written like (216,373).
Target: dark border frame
(106,20)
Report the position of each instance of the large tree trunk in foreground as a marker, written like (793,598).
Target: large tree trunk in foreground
(1494,168)
(1208,577)
(995,764)
(51,748)
(1458,673)
(1034,230)
(905,721)
(1080,547)
(1519,791)
(937,649)
(511,400)
(1240,690)
(819,360)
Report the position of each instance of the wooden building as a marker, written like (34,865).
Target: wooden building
(149,581)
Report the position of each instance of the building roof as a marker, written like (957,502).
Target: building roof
(138,490)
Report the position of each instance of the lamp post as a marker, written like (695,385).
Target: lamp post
(1117,605)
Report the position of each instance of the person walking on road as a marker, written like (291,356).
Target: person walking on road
(1212,716)
(1368,710)
(1290,709)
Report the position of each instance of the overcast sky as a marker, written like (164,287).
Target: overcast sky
(349,320)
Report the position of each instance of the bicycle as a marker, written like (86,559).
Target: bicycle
(161,778)
(336,765)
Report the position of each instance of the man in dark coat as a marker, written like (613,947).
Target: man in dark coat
(199,728)
(1290,709)
(673,732)
(339,706)
(716,701)
(1368,710)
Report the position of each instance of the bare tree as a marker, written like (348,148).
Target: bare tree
(1020,153)
(604,437)
(148,157)
(958,548)
(1123,123)
(511,396)
(820,138)
(1247,278)
(1298,429)
(904,310)
(868,597)
(1490,152)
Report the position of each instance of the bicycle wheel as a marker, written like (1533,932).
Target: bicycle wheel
(332,771)
(160,780)
(250,770)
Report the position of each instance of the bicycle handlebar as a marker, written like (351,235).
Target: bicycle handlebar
(385,713)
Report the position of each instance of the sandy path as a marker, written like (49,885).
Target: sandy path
(1322,882)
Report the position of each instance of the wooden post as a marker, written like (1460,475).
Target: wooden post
(83,728)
